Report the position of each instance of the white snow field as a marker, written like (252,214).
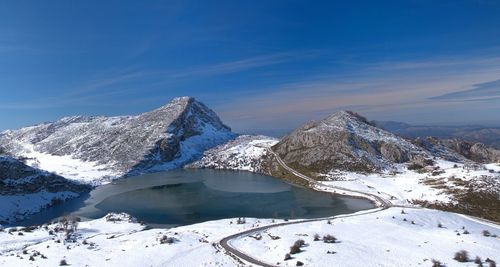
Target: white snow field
(382,238)
(385,238)
(405,186)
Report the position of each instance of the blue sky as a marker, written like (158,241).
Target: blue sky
(261,65)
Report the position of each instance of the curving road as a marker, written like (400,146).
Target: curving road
(338,190)
(225,243)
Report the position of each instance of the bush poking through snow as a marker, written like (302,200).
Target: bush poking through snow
(486,233)
(300,242)
(440,225)
(296,246)
(316,237)
(273,237)
(491,263)
(299,263)
(477,260)
(166,240)
(329,239)
(288,256)
(69,224)
(295,249)
(63,263)
(436,263)
(461,256)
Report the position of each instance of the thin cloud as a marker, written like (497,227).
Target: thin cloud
(480,92)
(373,91)
(113,82)
(238,65)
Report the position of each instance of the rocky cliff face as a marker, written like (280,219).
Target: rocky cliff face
(113,146)
(345,141)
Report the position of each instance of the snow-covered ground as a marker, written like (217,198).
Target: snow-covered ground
(404,186)
(384,238)
(17,207)
(71,168)
(122,243)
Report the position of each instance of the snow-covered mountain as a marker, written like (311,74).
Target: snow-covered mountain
(24,190)
(98,148)
(345,141)
(246,153)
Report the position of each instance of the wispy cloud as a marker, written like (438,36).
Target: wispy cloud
(392,88)
(479,92)
(238,65)
(114,81)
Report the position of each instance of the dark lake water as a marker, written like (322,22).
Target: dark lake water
(184,197)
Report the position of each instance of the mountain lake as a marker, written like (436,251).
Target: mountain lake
(188,196)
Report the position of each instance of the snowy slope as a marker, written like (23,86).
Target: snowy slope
(25,190)
(245,153)
(95,149)
(404,186)
(385,238)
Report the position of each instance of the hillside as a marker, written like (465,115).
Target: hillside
(348,142)
(97,149)
(25,190)
(245,153)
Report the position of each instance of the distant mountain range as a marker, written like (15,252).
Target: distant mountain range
(489,136)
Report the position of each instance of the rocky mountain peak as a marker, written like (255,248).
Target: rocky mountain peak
(346,117)
(175,133)
(347,141)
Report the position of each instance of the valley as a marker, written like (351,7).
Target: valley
(211,193)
